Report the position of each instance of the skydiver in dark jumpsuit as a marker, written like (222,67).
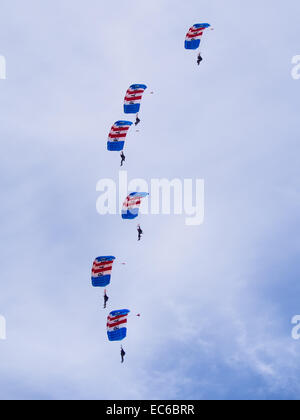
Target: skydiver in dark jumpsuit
(106,298)
(123,158)
(199,59)
(140,232)
(122,354)
(137,121)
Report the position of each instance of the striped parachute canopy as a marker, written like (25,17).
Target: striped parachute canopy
(117,325)
(117,135)
(101,271)
(132,205)
(133,98)
(194,35)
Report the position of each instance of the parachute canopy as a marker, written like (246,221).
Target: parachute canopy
(133,98)
(194,35)
(117,325)
(132,204)
(101,271)
(117,135)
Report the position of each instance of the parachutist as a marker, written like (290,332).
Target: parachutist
(123,158)
(193,38)
(137,121)
(122,354)
(140,232)
(106,298)
(199,59)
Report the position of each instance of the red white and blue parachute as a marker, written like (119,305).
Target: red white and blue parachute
(117,135)
(117,325)
(194,35)
(101,271)
(132,204)
(133,98)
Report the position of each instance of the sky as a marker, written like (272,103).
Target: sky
(216,300)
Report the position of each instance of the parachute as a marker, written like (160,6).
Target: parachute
(117,135)
(132,204)
(101,271)
(117,325)
(133,98)
(194,35)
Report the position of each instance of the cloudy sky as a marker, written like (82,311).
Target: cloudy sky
(216,300)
